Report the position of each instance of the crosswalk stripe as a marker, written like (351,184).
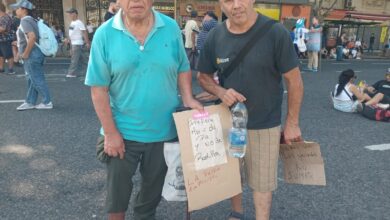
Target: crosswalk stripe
(380,147)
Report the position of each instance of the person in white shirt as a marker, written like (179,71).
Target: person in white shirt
(190,30)
(347,96)
(78,38)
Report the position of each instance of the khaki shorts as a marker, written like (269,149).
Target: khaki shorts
(261,159)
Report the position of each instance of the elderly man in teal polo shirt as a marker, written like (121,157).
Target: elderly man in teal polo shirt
(137,67)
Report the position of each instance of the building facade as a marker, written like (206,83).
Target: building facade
(359,19)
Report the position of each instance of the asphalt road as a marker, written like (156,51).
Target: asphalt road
(48,168)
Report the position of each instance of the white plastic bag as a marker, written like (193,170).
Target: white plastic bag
(174,188)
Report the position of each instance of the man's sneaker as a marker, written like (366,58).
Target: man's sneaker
(25,106)
(11,72)
(383,106)
(44,106)
(315,70)
(70,76)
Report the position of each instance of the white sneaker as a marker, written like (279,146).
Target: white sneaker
(25,106)
(70,76)
(44,106)
(383,106)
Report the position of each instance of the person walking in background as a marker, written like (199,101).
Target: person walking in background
(190,31)
(113,7)
(6,38)
(33,58)
(210,20)
(257,81)
(90,30)
(300,37)
(137,66)
(314,45)
(78,38)
(371,43)
(14,43)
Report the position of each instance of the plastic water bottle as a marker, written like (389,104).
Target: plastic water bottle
(238,132)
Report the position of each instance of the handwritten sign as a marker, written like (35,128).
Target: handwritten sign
(205,177)
(210,176)
(207,142)
(303,163)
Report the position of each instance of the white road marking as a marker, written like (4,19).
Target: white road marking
(10,101)
(57,63)
(380,147)
(356,71)
(46,75)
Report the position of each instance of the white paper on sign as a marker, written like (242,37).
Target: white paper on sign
(207,142)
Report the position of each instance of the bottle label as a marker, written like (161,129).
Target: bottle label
(238,138)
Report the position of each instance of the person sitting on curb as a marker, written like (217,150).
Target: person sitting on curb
(347,96)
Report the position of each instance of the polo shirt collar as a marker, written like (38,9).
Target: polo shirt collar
(118,22)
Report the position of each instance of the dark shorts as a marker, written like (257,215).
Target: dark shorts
(6,50)
(152,166)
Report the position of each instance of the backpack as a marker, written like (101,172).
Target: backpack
(47,40)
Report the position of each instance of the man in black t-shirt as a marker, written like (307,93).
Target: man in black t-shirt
(372,41)
(112,9)
(256,81)
(383,87)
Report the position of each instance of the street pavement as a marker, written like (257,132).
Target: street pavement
(48,168)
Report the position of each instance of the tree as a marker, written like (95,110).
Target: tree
(321,11)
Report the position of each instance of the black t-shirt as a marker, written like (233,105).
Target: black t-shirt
(259,76)
(108,15)
(383,86)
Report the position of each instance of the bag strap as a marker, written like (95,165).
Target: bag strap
(348,94)
(260,32)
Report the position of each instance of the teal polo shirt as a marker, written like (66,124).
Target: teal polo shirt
(142,80)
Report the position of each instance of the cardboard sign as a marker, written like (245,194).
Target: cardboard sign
(303,163)
(210,175)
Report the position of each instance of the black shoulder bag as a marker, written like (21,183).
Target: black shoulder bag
(260,32)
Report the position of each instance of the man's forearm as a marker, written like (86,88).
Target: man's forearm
(86,39)
(101,102)
(185,84)
(295,95)
(207,82)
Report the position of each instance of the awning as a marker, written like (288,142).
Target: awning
(366,16)
(338,16)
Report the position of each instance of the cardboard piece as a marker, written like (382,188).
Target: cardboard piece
(303,163)
(210,175)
